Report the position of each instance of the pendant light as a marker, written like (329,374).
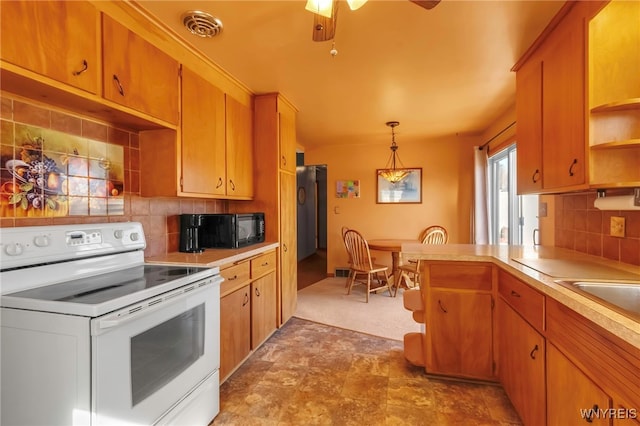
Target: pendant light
(325,7)
(392,173)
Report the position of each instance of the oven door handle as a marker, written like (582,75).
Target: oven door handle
(117,319)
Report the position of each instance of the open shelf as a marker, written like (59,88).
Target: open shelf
(629,143)
(633,103)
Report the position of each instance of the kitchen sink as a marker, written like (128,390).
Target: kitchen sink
(622,296)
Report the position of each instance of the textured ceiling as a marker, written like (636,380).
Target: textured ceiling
(439,72)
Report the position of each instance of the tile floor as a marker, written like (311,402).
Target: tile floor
(312,374)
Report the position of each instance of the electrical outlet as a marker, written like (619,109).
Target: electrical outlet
(617,226)
(542,210)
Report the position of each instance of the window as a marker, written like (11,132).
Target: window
(513,217)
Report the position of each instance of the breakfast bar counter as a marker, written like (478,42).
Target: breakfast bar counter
(541,267)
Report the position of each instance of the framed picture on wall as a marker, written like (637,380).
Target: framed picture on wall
(408,190)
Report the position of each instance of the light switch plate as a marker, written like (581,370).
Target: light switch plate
(617,226)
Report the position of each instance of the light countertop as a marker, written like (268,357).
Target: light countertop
(213,257)
(539,267)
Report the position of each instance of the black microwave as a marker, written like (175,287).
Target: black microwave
(222,230)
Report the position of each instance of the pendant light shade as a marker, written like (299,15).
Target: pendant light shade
(321,7)
(391,172)
(356,4)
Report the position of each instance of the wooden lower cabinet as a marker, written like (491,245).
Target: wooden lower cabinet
(571,394)
(248,308)
(521,355)
(461,341)
(263,309)
(235,329)
(458,297)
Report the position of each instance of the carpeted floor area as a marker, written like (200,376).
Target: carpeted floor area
(327,302)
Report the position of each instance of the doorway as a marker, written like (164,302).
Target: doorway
(311,224)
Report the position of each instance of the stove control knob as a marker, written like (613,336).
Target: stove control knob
(14,249)
(41,241)
(134,236)
(118,234)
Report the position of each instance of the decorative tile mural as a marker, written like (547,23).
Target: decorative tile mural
(46,173)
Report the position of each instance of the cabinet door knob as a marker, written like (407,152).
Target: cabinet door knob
(442,308)
(532,354)
(116,81)
(233,185)
(85,66)
(246,299)
(257,291)
(284,248)
(575,161)
(219,184)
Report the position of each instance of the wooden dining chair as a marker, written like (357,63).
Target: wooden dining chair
(351,270)
(410,271)
(362,263)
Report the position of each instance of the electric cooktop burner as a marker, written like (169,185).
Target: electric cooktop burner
(102,288)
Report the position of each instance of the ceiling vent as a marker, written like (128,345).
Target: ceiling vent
(201,23)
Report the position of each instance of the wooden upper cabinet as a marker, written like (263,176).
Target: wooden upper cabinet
(137,74)
(239,149)
(529,130)
(58,39)
(564,105)
(288,141)
(203,136)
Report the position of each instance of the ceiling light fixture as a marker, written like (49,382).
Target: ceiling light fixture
(325,7)
(392,173)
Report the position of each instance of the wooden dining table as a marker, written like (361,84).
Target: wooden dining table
(393,245)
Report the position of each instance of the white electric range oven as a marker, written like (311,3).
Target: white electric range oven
(91,335)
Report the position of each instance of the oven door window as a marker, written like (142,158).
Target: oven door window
(163,352)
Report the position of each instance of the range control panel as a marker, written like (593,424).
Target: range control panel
(24,246)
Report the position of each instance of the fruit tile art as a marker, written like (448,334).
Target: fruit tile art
(45,173)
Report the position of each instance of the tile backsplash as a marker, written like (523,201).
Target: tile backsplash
(159,216)
(580,226)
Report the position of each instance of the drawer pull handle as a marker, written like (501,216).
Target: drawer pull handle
(85,66)
(235,277)
(442,306)
(536,176)
(575,161)
(589,419)
(116,80)
(246,299)
(532,354)
(265,264)
(257,292)
(515,294)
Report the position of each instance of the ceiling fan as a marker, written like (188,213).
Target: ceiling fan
(326,15)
